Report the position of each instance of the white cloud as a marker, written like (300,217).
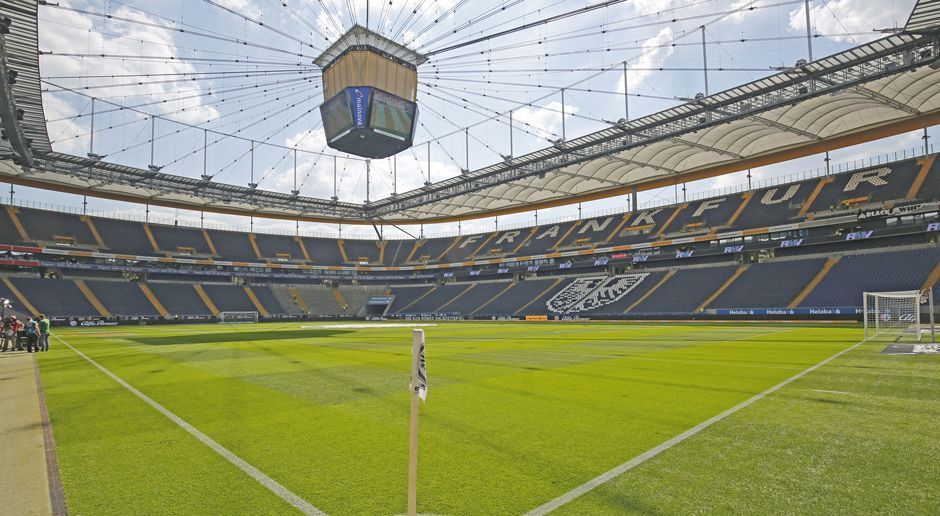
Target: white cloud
(122,38)
(655,50)
(547,119)
(250,8)
(837,17)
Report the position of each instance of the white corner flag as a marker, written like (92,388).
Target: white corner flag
(421,374)
(419,389)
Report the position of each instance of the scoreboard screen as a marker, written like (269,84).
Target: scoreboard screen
(368,122)
(392,116)
(337,117)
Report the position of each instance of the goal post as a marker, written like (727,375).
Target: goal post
(898,315)
(231,317)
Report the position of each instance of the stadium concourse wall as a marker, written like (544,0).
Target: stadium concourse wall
(713,257)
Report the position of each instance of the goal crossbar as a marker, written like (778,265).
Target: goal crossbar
(898,315)
(238,317)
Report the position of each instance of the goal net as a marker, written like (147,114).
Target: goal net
(895,315)
(238,317)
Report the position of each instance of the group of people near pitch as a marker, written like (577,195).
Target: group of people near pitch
(31,336)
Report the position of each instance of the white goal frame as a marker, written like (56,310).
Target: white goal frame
(236,317)
(897,315)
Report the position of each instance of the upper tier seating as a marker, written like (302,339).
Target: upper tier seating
(51,226)
(8,232)
(176,239)
(233,246)
(769,285)
(358,249)
(874,272)
(465,248)
(397,250)
(121,236)
(122,298)
(274,247)
(882,183)
(323,251)
(432,248)
(546,237)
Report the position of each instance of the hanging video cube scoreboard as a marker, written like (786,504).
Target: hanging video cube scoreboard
(370,84)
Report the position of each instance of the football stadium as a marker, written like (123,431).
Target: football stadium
(453,257)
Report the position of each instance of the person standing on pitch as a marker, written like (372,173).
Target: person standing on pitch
(8,334)
(32,336)
(43,333)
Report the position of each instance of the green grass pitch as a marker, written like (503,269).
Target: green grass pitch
(517,415)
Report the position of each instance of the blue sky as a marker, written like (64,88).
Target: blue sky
(275,104)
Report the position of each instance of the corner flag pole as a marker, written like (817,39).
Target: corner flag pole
(417,385)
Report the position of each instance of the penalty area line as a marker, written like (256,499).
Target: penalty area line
(603,478)
(266,481)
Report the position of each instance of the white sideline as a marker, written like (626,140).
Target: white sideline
(268,482)
(649,454)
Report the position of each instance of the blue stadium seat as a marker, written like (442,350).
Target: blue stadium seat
(873,272)
(122,298)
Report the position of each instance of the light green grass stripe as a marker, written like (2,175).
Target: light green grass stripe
(268,482)
(602,479)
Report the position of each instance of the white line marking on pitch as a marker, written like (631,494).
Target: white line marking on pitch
(602,479)
(268,482)
(829,392)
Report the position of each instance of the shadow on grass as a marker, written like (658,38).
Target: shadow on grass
(238,336)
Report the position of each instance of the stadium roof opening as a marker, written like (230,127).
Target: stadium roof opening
(370,84)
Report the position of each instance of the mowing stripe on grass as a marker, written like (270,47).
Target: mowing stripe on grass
(602,479)
(268,482)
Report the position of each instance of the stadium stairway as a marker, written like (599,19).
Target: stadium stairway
(121,298)
(724,286)
(92,298)
(179,298)
(340,301)
(650,292)
(406,296)
(13,213)
(495,298)
(772,284)
(686,290)
(21,305)
(932,279)
(451,302)
(55,297)
(356,296)
(817,279)
(157,305)
(262,311)
(229,298)
(206,300)
(853,275)
(319,299)
(290,300)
